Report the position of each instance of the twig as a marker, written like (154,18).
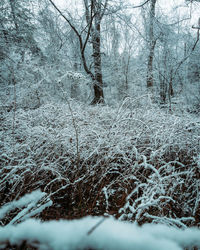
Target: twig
(14,107)
(141,5)
(76,132)
(96,225)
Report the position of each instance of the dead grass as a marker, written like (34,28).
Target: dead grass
(138,164)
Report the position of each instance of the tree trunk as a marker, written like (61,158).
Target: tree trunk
(96,43)
(150,66)
(152,43)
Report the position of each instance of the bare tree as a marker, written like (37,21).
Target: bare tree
(97,10)
(94,12)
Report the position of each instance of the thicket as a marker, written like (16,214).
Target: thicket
(134,161)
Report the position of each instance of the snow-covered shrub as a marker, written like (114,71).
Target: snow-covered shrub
(137,163)
(32,83)
(192,92)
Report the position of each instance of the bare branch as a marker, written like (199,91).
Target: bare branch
(141,5)
(89,20)
(169,24)
(66,19)
(198,29)
(196,40)
(82,45)
(104,9)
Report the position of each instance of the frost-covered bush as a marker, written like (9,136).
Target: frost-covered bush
(192,91)
(30,83)
(138,163)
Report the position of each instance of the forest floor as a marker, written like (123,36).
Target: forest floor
(135,162)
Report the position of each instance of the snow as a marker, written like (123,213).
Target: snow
(29,203)
(25,200)
(110,234)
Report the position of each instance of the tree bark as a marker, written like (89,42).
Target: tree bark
(152,43)
(98,82)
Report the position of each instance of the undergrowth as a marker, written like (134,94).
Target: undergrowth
(134,162)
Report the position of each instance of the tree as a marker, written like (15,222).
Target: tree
(17,27)
(94,17)
(94,12)
(16,37)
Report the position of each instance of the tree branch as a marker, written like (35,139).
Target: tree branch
(141,5)
(82,46)
(196,40)
(104,9)
(90,24)
(66,19)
